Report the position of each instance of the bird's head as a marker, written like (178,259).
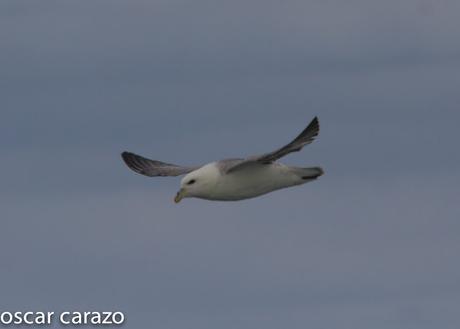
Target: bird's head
(198,183)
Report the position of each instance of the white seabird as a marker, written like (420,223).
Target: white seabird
(234,179)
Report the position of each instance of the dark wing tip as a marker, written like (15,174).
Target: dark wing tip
(314,125)
(134,162)
(127,157)
(308,134)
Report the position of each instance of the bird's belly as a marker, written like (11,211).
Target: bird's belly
(247,184)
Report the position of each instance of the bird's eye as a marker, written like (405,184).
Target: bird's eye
(190,182)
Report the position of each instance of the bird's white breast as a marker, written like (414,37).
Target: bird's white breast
(249,182)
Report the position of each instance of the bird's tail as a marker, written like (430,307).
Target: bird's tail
(308,173)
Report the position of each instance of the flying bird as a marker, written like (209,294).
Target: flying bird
(234,179)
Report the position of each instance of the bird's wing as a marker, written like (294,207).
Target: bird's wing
(153,168)
(304,138)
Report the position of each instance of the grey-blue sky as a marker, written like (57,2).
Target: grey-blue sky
(374,243)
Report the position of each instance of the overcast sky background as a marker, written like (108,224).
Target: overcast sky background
(372,244)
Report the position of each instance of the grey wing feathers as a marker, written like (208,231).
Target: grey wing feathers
(304,138)
(153,168)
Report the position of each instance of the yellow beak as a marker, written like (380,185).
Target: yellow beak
(179,196)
